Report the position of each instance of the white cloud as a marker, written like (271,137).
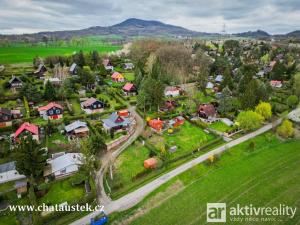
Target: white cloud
(27,16)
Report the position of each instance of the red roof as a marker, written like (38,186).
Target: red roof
(128,86)
(29,127)
(275,82)
(49,106)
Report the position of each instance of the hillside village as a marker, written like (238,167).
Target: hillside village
(64,120)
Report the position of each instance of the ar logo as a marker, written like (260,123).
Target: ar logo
(216,212)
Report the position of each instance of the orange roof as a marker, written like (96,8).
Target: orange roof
(49,106)
(156,124)
(150,163)
(117,75)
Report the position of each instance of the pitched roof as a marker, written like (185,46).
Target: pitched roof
(76,124)
(128,86)
(73,66)
(5,111)
(219,78)
(172,88)
(14,78)
(117,75)
(7,167)
(39,68)
(49,106)
(89,102)
(115,120)
(65,160)
(29,127)
(207,109)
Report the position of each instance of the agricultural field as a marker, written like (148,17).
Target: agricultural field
(232,179)
(21,54)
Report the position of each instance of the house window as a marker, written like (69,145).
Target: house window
(16,173)
(57,111)
(51,112)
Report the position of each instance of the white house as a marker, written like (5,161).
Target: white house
(8,172)
(219,78)
(209,85)
(64,165)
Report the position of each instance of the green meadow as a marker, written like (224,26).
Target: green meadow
(267,175)
(22,54)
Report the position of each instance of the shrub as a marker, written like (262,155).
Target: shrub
(292,101)
(78,179)
(264,109)
(249,120)
(286,129)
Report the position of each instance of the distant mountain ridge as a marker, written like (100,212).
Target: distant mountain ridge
(254,34)
(137,27)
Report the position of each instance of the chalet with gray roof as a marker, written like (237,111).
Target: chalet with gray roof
(15,83)
(73,69)
(77,129)
(8,172)
(116,122)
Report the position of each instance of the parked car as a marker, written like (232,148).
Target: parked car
(103,220)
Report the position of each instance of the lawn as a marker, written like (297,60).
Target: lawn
(219,126)
(63,191)
(130,163)
(129,76)
(20,54)
(112,101)
(76,106)
(269,175)
(188,138)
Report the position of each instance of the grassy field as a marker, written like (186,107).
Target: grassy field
(129,76)
(16,54)
(269,175)
(63,191)
(130,163)
(219,126)
(188,138)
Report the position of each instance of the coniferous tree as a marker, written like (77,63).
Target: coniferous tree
(50,92)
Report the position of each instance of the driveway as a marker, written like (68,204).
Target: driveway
(109,158)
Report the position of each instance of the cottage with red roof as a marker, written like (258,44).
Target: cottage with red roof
(92,105)
(207,112)
(117,77)
(276,83)
(129,89)
(25,129)
(172,91)
(52,111)
(156,124)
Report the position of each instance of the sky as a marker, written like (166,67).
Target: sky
(30,16)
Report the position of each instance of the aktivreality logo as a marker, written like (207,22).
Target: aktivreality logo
(218,212)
